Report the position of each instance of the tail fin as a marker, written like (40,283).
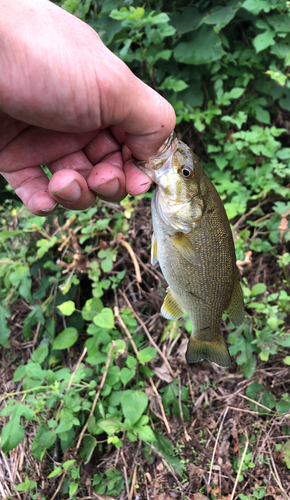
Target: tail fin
(215,351)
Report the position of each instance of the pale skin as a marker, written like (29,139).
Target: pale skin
(68,102)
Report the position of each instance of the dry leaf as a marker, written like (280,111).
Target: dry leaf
(195,476)
(153,400)
(160,467)
(163,373)
(182,349)
(198,496)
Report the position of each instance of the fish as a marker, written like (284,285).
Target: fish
(193,243)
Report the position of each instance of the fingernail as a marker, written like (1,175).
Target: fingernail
(107,188)
(71,192)
(47,210)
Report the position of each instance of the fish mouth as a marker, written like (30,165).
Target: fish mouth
(158,161)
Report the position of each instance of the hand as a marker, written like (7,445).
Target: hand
(68,102)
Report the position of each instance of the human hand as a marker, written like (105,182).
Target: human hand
(68,102)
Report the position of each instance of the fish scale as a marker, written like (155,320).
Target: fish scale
(194,246)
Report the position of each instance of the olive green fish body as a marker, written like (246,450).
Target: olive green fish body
(194,246)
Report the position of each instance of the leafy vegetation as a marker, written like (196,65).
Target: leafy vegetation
(92,381)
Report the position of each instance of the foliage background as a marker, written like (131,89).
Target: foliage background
(224,67)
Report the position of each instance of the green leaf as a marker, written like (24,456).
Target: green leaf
(111,425)
(105,318)
(12,434)
(68,464)
(89,443)
(133,405)
(109,5)
(186,20)
(144,432)
(280,22)
(255,6)
(45,245)
(196,51)
(131,362)
(40,354)
(55,472)
(4,328)
(72,489)
(221,16)
(65,425)
(262,115)
(67,308)
(20,273)
(19,373)
(5,235)
(249,366)
(264,40)
(147,354)
(47,439)
(258,289)
(286,360)
(126,375)
(65,339)
(235,93)
(172,83)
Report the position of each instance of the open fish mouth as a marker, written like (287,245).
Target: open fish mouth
(157,161)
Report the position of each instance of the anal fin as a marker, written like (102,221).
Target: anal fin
(154,251)
(215,351)
(183,246)
(235,309)
(171,308)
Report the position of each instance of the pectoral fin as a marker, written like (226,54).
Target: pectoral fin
(216,352)
(235,309)
(183,246)
(171,308)
(154,253)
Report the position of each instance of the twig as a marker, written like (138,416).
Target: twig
(2,491)
(126,482)
(187,437)
(275,473)
(122,324)
(9,472)
(256,403)
(245,411)
(147,268)
(71,380)
(240,467)
(168,465)
(121,239)
(59,486)
(160,404)
(216,443)
(190,387)
(133,482)
(97,395)
(148,335)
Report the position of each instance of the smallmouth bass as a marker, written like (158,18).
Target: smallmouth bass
(193,243)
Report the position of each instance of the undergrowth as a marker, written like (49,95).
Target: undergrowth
(101,376)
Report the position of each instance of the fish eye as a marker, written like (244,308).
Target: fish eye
(187,171)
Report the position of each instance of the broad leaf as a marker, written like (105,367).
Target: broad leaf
(65,339)
(133,404)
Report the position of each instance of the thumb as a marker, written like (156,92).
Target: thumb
(145,116)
